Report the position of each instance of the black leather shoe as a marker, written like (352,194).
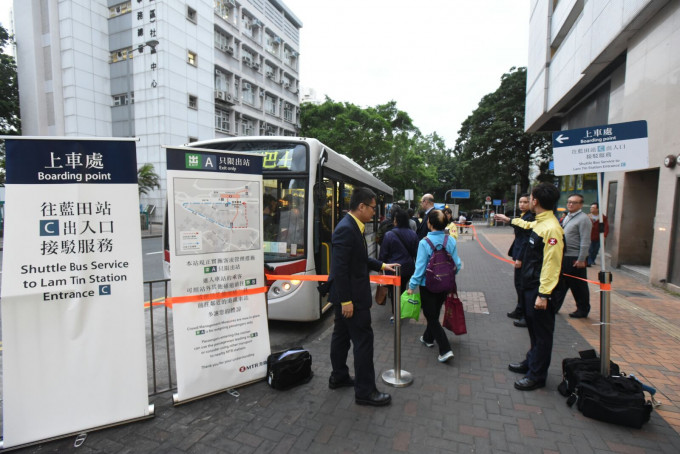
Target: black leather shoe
(335,384)
(527,384)
(578,314)
(521,323)
(518,368)
(514,314)
(376,399)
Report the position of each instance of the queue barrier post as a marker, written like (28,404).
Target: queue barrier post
(397,377)
(605,321)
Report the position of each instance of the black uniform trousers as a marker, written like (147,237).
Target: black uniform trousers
(541,325)
(520,293)
(358,330)
(431,304)
(578,287)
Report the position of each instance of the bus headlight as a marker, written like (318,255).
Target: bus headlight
(282,288)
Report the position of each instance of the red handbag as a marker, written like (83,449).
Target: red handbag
(454,317)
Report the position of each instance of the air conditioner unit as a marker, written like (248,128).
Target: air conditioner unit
(286,85)
(218,72)
(246,59)
(277,40)
(229,98)
(270,74)
(261,93)
(229,50)
(246,86)
(220,95)
(255,66)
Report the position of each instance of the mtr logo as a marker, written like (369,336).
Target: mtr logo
(252,366)
(198,161)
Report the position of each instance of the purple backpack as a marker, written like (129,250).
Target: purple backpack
(440,273)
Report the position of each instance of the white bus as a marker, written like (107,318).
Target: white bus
(307,189)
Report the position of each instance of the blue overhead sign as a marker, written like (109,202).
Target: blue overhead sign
(459,193)
(608,148)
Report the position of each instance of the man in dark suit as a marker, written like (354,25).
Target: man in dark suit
(426,204)
(350,293)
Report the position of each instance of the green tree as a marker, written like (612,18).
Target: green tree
(382,139)
(147,179)
(10,122)
(493,152)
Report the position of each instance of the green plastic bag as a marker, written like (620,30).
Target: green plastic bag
(410,305)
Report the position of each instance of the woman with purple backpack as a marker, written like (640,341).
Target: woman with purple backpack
(432,299)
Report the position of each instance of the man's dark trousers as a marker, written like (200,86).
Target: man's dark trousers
(356,329)
(578,287)
(541,325)
(519,309)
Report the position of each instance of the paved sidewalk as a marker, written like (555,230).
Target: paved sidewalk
(467,405)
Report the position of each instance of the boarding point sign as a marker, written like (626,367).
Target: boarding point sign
(617,147)
(74,348)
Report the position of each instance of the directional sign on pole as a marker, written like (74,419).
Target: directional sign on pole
(608,148)
(459,193)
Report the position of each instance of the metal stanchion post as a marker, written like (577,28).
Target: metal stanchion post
(397,377)
(605,278)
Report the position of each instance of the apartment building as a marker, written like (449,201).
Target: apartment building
(613,61)
(166,71)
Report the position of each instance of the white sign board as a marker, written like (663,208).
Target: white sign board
(408,194)
(609,148)
(219,307)
(74,347)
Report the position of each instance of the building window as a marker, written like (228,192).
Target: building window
(288,112)
(193,102)
(224,9)
(270,105)
(222,120)
(122,99)
(223,42)
(221,81)
(248,93)
(192,58)
(191,14)
(121,8)
(247,128)
(272,45)
(121,54)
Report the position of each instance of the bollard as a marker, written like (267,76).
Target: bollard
(397,377)
(605,278)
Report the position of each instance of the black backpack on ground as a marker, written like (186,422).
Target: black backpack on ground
(615,399)
(289,368)
(572,368)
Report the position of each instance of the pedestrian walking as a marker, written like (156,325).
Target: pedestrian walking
(431,302)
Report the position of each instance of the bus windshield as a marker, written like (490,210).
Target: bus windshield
(284,217)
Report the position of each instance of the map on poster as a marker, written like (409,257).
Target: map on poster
(216,215)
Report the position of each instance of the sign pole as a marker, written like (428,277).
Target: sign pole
(605,278)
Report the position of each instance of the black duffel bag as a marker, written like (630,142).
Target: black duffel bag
(614,399)
(572,368)
(289,368)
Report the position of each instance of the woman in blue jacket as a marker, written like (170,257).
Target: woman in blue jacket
(431,303)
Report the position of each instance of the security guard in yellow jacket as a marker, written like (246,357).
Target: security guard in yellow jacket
(540,275)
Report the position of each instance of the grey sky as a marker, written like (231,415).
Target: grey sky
(435,58)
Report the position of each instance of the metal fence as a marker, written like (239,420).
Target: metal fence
(160,350)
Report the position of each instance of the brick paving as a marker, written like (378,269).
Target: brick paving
(466,405)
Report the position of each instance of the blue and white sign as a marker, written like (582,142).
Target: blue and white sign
(74,348)
(459,193)
(608,148)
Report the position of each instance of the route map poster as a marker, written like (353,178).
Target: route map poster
(74,347)
(217,270)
